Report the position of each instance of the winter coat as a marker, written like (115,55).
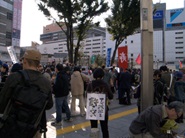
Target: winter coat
(179,88)
(77,83)
(61,85)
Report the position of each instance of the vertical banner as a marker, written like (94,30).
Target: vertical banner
(123,57)
(12,54)
(108,58)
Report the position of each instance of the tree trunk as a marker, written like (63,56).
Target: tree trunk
(76,55)
(114,53)
(71,43)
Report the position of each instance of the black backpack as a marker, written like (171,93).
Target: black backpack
(24,111)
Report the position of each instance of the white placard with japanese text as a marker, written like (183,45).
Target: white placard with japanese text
(96,104)
(12,54)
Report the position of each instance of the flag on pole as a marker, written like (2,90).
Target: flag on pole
(180,64)
(138,59)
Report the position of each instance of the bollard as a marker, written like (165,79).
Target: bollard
(95,133)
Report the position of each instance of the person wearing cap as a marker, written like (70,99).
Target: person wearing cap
(99,85)
(31,61)
(149,123)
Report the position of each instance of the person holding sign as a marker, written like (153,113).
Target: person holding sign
(95,104)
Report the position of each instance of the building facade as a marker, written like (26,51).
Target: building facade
(10,27)
(54,41)
(168,40)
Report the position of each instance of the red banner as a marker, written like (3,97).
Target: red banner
(123,57)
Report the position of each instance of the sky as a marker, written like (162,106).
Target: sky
(33,20)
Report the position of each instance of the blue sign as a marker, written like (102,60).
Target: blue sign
(158,15)
(108,57)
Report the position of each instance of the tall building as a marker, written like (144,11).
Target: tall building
(10,22)
(168,37)
(54,41)
(10,26)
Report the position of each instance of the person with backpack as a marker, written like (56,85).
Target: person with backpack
(168,78)
(23,100)
(99,85)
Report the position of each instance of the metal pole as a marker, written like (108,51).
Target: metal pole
(146,53)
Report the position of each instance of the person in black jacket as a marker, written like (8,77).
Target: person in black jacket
(99,85)
(159,88)
(61,91)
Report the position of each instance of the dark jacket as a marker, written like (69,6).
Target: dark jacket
(61,85)
(125,80)
(100,85)
(159,88)
(16,78)
(179,88)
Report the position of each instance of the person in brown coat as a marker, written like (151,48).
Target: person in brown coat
(77,90)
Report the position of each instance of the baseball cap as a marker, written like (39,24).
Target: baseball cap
(32,54)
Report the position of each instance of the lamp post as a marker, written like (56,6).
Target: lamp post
(146,11)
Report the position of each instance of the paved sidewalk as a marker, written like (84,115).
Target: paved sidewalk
(118,126)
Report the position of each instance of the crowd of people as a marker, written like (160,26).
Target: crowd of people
(66,79)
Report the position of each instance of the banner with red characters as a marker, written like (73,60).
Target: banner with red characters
(123,57)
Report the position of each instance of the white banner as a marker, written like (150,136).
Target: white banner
(12,54)
(96,105)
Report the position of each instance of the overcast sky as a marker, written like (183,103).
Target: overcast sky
(33,20)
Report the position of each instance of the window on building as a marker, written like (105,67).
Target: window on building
(178,42)
(179,48)
(179,57)
(96,43)
(88,40)
(179,52)
(96,48)
(178,37)
(96,40)
(9,16)
(9,35)
(132,41)
(8,43)
(125,42)
(178,32)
